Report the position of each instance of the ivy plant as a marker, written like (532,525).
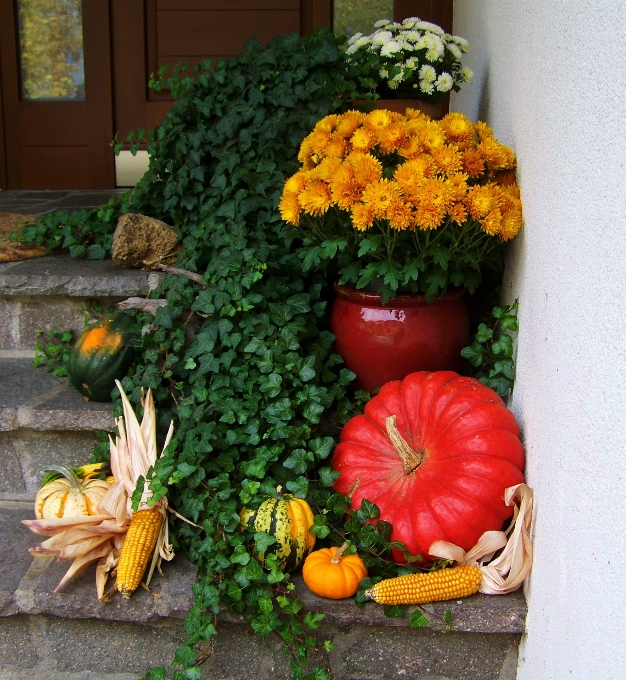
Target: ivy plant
(243,364)
(490,356)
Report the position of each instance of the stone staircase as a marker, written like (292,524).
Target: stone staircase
(71,635)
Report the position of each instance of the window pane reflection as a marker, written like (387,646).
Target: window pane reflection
(358,16)
(51,49)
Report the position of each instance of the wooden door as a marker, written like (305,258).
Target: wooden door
(58,144)
(148,34)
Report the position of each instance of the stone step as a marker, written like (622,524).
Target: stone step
(51,293)
(43,420)
(71,635)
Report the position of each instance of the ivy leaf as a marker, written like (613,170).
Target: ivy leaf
(394,611)
(307,369)
(240,555)
(297,461)
(321,447)
(299,487)
(328,476)
(320,526)
(262,541)
(369,510)
(418,620)
(313,620)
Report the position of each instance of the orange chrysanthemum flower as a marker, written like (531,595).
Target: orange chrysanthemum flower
(480,201)
(458,213)
(366,168)
(411,146)
(458,186)
(431,135)
(492,223)
(289,208)
(326,169)
(448,159)
(391,137)
(348,123)
(344,187)
(362,216)
(315,198)
(337,147)
(305,153)
(435,199)
(328,123)
(511,208)
(496,155)
(400,215)
(297,182)
(319,138)
(413,172)
(363,140)
(483,130)
(379,196)
(473,164)
(377,119)
(415,114)
(458,128)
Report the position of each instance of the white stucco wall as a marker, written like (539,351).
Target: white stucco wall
(550,77)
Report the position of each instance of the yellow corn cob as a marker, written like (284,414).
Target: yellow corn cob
(444,584)
(138,546)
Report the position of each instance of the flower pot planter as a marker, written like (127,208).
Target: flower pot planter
(435,111)
(387,342)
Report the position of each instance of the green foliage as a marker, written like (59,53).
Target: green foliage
(245,367)
(53,350)
(490,356)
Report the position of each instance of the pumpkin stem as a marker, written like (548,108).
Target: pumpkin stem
(411,459)
(68,473)
(337,556)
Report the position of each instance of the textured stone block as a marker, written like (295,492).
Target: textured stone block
(17,649)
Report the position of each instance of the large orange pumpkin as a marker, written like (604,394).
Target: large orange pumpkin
(435,452)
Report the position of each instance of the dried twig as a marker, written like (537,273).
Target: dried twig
(192,276)
(142,304)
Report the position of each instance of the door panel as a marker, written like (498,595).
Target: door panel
(59,144)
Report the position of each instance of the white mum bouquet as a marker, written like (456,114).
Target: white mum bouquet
(414,59)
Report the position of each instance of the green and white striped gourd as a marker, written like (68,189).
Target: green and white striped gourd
(288,519)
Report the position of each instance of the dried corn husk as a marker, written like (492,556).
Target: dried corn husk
(507,572)
(99,538)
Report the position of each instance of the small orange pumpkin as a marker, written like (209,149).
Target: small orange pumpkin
(330,573)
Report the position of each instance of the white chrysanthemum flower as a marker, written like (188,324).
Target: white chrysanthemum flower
(411,63)
(381,37)
(461,42)
(410,22)
(444,82)
(454,50)
(466,73)
(383,73)
(395,25)
(354,38)
(361,42)
(427,73)
(393,84)
(389,48)
(413,36)
(427,26)
(426,88)
(382,23)
(405,45)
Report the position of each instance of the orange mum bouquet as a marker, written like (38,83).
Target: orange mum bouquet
(402,203)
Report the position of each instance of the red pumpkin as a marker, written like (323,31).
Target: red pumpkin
(435,452)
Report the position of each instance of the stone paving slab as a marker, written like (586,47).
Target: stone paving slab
(32,398)
(43,202)
(63,275)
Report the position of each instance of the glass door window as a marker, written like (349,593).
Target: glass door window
(358,16)
(51,50)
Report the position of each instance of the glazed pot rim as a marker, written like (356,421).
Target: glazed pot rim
(370,299)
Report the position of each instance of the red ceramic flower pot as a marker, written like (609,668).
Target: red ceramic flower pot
(387,342)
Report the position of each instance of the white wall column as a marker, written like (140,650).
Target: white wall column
(550,77)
